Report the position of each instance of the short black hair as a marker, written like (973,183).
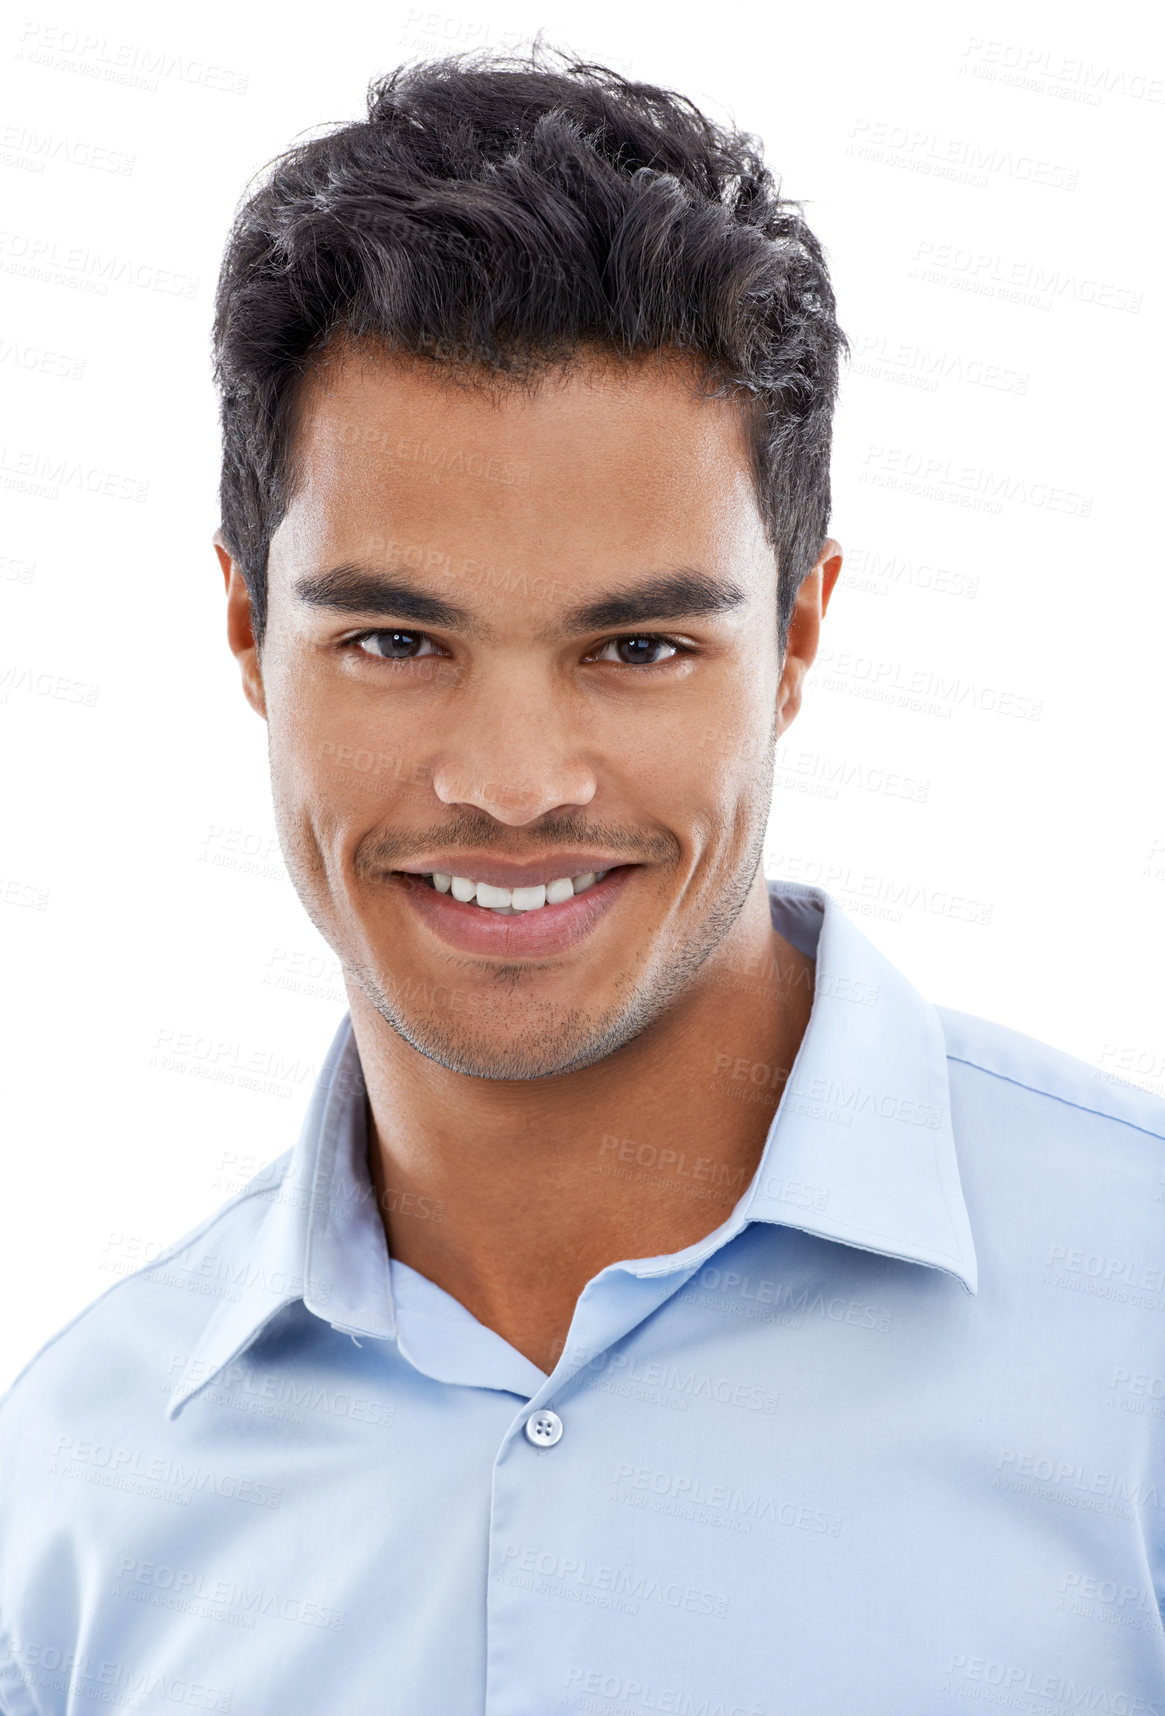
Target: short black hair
(499,213)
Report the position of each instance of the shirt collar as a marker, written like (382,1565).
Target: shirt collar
(319,1239)
(861,1150)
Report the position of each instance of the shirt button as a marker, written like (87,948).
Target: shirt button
(543,1428)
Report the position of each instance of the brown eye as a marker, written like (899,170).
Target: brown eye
(392,645)
(638,649)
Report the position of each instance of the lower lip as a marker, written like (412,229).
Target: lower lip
(525,935)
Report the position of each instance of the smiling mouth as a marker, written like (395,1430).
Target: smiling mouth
(510,902)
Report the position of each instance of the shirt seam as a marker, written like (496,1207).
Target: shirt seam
(1054,1096)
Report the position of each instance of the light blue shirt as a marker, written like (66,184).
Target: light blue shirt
(889,1442)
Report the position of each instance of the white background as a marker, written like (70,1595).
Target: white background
(984,179)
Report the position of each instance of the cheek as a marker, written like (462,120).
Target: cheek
(730,755)
(334,751)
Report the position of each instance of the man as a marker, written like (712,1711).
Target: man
(664,1308)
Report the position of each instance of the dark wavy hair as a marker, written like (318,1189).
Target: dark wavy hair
(498,214)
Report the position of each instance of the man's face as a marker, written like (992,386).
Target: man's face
(475,721)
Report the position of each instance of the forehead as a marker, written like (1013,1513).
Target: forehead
(598,464)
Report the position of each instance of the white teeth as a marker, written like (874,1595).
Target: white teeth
(508,902)
(488,896)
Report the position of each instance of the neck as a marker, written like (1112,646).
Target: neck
(512,1195)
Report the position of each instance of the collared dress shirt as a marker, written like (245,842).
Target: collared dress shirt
(889,1441)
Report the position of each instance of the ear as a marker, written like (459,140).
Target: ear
(805,629)
(240,634)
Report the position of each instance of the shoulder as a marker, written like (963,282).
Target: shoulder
(1007,1065)
(140,1321)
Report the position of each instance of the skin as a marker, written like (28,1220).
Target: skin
(517,1109)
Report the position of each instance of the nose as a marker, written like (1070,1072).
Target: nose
(518,753)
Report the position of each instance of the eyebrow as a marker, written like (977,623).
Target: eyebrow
(353,589)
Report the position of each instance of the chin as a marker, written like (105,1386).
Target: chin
(538,1043)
